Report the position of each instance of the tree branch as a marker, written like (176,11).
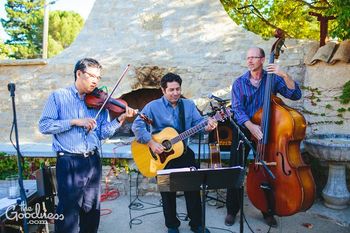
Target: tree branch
(256,12)
(311,6)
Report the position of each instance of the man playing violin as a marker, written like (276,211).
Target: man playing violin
(247,98)
(76,141)
(181,114)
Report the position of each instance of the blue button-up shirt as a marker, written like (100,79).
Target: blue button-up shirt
(246,99)
(62,106)
(165,115)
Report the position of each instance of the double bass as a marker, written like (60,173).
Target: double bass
(291,188)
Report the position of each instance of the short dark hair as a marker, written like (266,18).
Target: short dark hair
(262,52)
(82,64)
(170,77)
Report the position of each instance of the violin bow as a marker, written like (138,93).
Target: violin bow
(114,88)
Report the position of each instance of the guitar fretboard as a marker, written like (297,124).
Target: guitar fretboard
(189,132)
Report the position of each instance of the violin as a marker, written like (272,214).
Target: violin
(97,98)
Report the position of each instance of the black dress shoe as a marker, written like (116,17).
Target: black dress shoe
(270,221)
(230,219)
(199,229)
(173,230)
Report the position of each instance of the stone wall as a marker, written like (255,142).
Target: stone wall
(195,39)
(322,104)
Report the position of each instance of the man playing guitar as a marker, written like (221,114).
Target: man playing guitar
(181,114)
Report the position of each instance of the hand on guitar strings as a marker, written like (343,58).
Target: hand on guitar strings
(211,124)
(156,147)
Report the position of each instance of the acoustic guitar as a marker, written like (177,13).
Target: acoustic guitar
(149,162)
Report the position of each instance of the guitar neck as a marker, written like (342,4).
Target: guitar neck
(188,133)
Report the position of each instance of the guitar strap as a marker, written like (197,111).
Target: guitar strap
(182,115)
(182,120)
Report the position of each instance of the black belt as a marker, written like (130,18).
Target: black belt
(85,154)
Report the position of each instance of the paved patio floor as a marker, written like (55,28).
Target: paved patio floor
(147,216)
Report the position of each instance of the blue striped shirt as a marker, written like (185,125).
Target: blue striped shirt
(246,99)
(164,115)
(62,106)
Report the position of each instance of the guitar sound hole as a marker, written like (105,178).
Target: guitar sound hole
(167,145)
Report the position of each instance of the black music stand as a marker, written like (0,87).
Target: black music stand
(201,179)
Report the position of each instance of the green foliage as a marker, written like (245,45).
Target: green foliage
(63,29)
(8,165)
(118,165)
(341,26)
(292,16)
(341,110)
(328,106)
(54,47)
(345,97)
(309,112)
(4,50)
(24,25)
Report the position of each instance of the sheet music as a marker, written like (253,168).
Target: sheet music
(219,168)
(187,169)
(167,171)
(6,202)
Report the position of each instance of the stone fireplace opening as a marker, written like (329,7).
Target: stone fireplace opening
(137,100)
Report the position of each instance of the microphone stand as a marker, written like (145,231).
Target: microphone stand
(11,87)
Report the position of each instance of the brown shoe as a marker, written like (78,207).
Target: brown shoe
(230,219)
(270,221)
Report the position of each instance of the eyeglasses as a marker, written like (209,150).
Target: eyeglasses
(248,58)
(91,75)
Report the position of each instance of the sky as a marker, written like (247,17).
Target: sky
(83,7)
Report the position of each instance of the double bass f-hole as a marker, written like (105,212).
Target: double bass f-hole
(287,173)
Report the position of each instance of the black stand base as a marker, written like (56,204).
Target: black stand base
(202,179)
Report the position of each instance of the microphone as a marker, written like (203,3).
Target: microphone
(211,96)
(11,87)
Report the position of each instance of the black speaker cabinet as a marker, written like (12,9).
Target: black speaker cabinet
(46,181)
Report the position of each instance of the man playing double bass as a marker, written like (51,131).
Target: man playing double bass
(247,98)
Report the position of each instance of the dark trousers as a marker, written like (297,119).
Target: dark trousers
(233,196)
(78,187)
(193,201)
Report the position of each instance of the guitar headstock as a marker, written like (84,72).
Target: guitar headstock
(222,114)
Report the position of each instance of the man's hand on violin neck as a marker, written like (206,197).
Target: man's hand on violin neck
(129,112)
(87,123)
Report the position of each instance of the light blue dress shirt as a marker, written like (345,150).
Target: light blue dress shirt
(62,106)
(163,115)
